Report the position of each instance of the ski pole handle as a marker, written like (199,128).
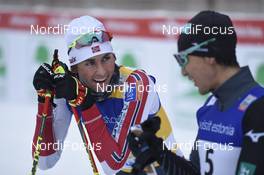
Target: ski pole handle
(58,69)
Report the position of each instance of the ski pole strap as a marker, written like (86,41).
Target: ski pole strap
(81,92)
(48,96)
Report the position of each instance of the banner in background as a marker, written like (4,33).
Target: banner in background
(138,42)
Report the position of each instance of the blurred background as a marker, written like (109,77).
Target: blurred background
(139,41)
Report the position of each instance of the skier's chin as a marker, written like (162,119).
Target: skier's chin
(203,91)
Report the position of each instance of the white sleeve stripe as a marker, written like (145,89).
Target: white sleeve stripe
(93,120)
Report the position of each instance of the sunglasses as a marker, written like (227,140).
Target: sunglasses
(89,38)
(182,57)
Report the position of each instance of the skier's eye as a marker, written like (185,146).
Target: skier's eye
(106,58)
(90,63)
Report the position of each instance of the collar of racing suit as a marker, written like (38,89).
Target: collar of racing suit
(233,89)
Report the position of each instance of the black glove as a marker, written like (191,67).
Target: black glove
(145,146)
(148,148)
(151,125)
(175,165)
(43,80)
(68,86)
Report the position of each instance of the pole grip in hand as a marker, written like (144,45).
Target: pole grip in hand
(57,68)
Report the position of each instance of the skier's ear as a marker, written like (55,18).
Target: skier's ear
(114,56)
(210,60)
(74,70)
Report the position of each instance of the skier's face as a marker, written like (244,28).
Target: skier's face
(97,71)
(201,71)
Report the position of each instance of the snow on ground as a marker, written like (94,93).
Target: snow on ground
(17,127)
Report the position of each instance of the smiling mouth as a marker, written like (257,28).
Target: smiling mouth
(192,80)
(100,80)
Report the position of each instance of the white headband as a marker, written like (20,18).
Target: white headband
(78,55)
(76,28)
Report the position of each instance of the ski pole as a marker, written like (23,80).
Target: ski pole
(85,140)
(40,136)
(59,69)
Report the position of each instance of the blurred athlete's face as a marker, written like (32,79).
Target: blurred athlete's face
(97,71)
(201,70)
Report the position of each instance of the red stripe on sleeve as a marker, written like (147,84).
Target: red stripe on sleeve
(47,144)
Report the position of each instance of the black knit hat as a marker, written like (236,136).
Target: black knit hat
(205,26)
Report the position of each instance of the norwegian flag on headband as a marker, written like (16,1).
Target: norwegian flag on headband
(96,49)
